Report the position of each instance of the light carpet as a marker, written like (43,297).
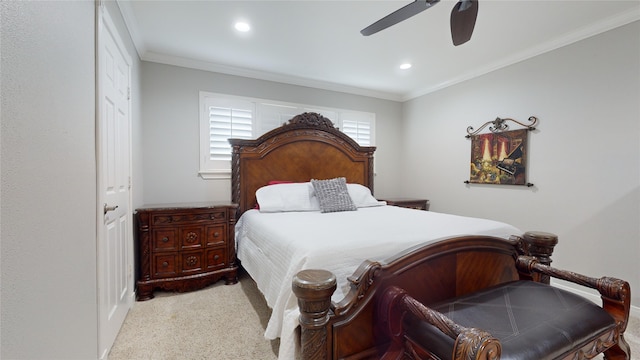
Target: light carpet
(217,322)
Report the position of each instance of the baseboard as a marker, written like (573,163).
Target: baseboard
(592,296)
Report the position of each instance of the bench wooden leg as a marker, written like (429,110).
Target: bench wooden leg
(620,351)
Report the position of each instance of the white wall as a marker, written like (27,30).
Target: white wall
(171,123)
(48,205)
(48,169)
(584,159)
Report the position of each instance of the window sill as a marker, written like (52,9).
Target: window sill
(215,174)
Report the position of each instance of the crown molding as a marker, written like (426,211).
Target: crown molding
(268,76)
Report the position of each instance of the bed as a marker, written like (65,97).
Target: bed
(310,147)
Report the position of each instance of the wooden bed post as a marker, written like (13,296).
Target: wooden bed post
(540,245)
(314,288)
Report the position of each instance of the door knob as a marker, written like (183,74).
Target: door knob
(109,208)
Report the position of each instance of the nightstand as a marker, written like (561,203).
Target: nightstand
(410,203)
(184,247)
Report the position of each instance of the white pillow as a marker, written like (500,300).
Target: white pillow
(287,197)
(361,196)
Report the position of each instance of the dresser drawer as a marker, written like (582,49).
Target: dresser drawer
(177,218)
(165,240)
(191,262)
(216,258)
(165,265)
(191,237)
(216,235)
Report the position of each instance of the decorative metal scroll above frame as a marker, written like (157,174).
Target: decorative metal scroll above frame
(499,125)
(500,156)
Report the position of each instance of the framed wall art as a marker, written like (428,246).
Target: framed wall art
(500,156)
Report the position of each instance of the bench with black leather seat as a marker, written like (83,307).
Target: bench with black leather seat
(518,320)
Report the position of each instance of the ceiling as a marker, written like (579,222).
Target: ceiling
(318,43)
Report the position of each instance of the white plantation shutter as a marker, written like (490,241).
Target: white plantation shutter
(359,131)
(359,126)
(226,123)
(221,118)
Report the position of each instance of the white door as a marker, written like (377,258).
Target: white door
(115,230)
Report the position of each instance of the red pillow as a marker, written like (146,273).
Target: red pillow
(275,182)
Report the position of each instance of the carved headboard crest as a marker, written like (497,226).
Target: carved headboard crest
(312,119)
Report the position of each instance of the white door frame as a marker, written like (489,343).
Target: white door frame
(106,27)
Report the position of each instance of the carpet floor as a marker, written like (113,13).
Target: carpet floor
(219,322)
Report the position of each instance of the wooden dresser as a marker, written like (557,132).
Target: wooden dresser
(419,204)
(184,247)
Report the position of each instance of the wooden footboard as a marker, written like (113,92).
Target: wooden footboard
(431,273)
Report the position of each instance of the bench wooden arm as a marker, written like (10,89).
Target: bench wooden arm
(470,343)
(615,293)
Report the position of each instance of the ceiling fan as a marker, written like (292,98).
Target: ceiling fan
(463,18)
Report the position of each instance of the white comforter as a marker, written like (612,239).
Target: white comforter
(273,247)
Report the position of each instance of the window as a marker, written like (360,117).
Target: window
(225,123)
(222,118)
(359,126)
(225,116)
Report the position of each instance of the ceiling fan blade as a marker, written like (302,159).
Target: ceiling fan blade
(463,20)
(399,15)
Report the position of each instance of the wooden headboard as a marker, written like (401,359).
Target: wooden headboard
(307,147)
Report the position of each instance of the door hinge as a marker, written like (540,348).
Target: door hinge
(128,93)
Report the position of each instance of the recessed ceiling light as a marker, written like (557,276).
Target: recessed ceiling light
(405,66)
(242,26)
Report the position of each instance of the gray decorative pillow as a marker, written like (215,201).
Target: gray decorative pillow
(333,195)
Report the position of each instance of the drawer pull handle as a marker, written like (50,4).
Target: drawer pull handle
(216,234)
(216,257)
(165,239)
(212,216)
(165,264)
